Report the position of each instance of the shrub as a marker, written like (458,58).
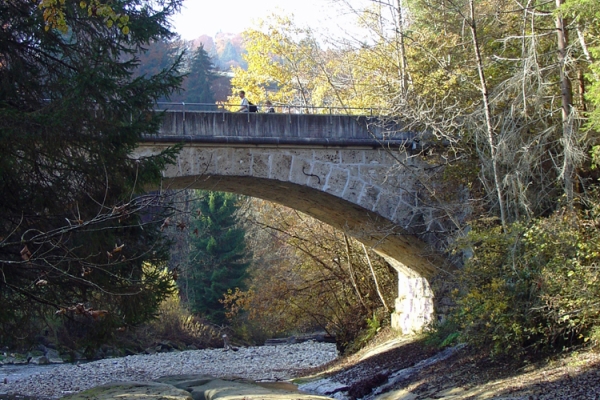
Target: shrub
(534,285)
(176,324)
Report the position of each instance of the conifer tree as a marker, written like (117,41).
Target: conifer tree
(72,240)
(198,82)
(219,258)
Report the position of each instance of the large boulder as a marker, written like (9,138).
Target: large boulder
(54,357)
(193,387)
(204,387)
(132,390)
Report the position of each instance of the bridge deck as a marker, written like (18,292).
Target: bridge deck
(278,129)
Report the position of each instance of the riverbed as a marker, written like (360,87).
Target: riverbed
(13,373)
(261,363)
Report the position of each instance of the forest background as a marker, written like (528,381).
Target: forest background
(502,97)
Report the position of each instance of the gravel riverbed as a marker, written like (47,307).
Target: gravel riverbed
(264,363)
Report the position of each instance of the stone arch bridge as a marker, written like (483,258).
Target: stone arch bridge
(331,167)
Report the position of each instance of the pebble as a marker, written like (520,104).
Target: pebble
(265,363)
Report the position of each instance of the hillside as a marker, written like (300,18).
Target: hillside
(225,49)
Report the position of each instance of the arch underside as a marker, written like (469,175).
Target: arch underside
(404,252)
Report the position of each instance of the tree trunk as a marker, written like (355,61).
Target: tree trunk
(351,272)
(402,49)
(566,94)
(375,279)
(488,114)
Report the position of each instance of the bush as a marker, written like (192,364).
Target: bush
(176,324)
(442,334)
(532,286)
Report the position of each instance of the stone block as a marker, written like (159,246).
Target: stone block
(318,175)
(224,159)
(378,175)
(327,156)
(281,165)
(353,189)
(336,181)
(260,165)
(387,205)
(300,170)
(171,171)
(352,156)
(301,153)
(241,163)
(185,161)
(205,162)
(378,157)
(368,197)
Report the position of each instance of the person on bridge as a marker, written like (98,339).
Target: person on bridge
(244,105)
(269,107)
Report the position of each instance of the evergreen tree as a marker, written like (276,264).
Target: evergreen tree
(219,258)
(72,240)
(198,82)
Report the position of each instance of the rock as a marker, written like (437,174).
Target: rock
(185,382)
(320,337)
(129,352)
(205,387)
(16,359)
(39,360)
(134,390)
(53,357)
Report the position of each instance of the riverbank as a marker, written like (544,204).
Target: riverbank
(401,368)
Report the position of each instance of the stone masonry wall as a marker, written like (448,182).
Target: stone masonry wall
(356,190)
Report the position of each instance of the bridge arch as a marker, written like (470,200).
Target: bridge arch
(359,188)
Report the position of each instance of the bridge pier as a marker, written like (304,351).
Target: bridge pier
(414,306)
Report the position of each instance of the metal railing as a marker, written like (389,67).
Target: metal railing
(263,109)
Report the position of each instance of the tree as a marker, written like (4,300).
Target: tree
(198,82)
(218,258)
(158,56)
(308,276)
(280,64)
(74,238)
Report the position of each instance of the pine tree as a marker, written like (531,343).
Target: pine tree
(198,82)
(219,258)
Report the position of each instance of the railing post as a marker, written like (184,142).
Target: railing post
(183,121)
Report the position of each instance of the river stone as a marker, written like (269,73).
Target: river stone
(54,357)
(132,390)
(206,388)
(185,382)
(39,360)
